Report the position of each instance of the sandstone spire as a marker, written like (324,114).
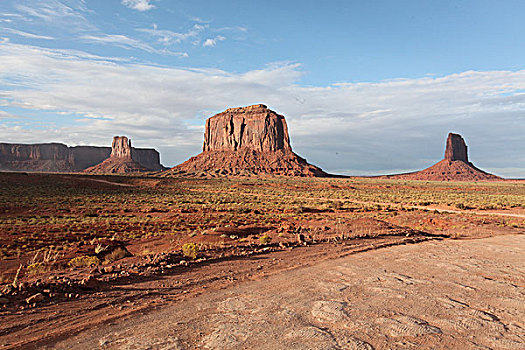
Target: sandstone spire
(454,167)
(123,159)
(456,148)
(121,147)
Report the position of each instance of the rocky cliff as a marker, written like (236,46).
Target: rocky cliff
(57,157)
(247,141)
(254,127)
(82,157)
(454,167)
(148,158)
(38,157)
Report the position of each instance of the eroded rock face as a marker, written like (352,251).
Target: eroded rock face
(121,147)
(456,148)
(36,157)
(254,127)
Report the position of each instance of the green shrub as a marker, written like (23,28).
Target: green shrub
(190,250)
(35,268)
(265,239)
(83,261)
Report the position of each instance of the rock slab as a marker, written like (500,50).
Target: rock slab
(254,127)
(121,147)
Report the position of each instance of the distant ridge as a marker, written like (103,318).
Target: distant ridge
(58,157)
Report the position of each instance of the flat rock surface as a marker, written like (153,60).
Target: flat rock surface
(452,294)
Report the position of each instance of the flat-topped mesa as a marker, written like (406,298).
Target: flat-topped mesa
(121,147)
(253,127)
(456,148)
(246,141)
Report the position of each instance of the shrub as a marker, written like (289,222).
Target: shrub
(265,239)
(190,250)
(35,268)
(117,254)
(100,248)
(83,261)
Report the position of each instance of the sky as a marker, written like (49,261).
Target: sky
(367,87)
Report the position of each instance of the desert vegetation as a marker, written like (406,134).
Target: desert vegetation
(55,223)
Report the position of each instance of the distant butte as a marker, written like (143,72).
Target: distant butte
(247,141)
(120,161)
(454,167)
(57,157)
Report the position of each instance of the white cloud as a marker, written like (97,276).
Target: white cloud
(168,37)
(139,5)
(65,13)
(128,43)
(213,42)
(5,115)
(351,128)
(234,28)
(28,35)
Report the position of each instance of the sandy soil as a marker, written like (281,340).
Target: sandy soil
(449,294)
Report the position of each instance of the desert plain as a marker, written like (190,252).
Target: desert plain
(189,262)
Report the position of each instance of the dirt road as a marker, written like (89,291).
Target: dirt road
(467,294)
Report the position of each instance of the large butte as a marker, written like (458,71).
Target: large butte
(247,141)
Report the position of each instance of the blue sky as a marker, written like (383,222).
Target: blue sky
(367,86)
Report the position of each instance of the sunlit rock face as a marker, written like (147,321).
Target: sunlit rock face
(254,127)
(247,141)
(121,147)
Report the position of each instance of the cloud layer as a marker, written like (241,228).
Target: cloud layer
(360,128)
(139,5)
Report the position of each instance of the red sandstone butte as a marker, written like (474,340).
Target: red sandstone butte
(454,167)
(120,161)
(247,141)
